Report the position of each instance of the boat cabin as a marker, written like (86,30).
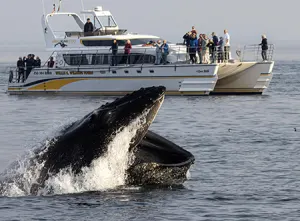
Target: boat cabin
(66,29)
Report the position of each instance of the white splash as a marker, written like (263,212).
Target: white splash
(106,172)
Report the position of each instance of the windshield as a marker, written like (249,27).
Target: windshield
(107,21)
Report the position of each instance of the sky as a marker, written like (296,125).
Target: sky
(20,21)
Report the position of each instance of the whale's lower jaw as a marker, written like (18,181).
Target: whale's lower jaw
(154,174)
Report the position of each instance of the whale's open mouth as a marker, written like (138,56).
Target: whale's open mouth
(157,160)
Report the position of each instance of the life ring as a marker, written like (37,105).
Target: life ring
(11,76)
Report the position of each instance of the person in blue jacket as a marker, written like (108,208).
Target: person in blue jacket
(193,47)
(165,52)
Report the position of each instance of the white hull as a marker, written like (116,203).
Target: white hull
(231,78)
(244,78)
(178,80)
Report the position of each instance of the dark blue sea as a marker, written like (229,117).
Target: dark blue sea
(247,151)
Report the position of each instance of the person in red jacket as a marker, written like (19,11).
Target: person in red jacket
(127,50)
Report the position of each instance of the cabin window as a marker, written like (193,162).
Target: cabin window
(108,43)
(107,21)
(76,59)
(105,59)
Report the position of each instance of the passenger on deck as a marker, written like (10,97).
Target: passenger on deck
(158,52)
(114,48)
(193,31)
(51,63)
(204,49)
(29,64)
(21,69)
(186,41)
(211,47)
(193,47)
(88,28)
(215,38)
(165,52)
(200,48)
(220,50)
(226,45)
(264,47)
(127,50)
(37,62)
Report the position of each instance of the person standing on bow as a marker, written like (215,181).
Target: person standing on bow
(165,52)
(264,47)
(114,48)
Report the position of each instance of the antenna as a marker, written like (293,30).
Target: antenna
(43,5)
(82,5)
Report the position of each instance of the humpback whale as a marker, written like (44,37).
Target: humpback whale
(156,161)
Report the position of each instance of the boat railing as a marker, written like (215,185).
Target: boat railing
(104,60)
(253,53)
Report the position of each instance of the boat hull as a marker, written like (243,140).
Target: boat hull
(178,79)
(244,78)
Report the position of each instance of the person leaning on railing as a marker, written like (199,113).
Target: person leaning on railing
(264,47)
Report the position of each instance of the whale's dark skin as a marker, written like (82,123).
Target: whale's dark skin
(87,139)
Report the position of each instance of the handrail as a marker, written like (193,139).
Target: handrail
(139,59)
(254,50)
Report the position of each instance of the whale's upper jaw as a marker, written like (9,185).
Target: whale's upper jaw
(123,110)
(140,98)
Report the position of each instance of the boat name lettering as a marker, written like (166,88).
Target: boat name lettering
(64,41)
(203,71)
(41,72)
(74,72)
(62,73)
(81,72)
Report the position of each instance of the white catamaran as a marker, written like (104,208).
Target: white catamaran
(83,64)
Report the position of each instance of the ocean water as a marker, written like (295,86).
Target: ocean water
(246,149)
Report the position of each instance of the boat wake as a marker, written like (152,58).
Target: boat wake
(105,173)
